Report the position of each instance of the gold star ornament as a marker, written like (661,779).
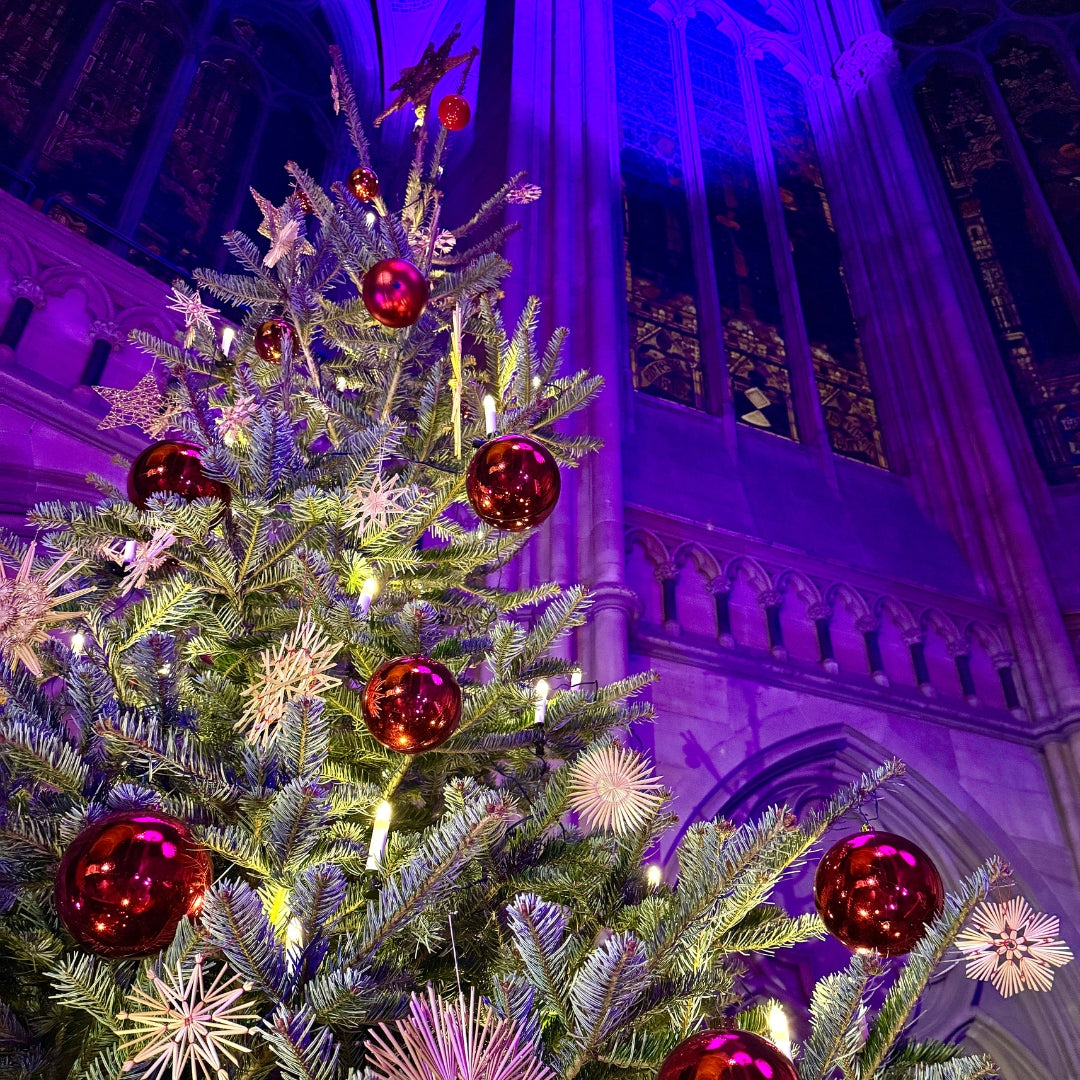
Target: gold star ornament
(143,406)
(417,83)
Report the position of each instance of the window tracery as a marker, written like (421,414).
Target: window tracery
(756,179)
(1001,112)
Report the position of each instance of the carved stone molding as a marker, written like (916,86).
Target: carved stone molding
(102,330)
(28,289)
(609,596)
(676,12)
(666,571)
(867,56)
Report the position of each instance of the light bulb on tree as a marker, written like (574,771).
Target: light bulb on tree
(490,415)
(540,711)
(779,1029)
(379,831)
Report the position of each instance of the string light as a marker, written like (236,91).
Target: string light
(779,1029)
(489,414)
(367,594)
(379,832)
(78,642)
(294,933)
(228,336)
(370,219)
(575,679)
(542,691)
(654,876)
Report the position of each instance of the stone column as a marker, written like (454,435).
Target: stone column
(564,131)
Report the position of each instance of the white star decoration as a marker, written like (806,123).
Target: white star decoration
(143,406)
(1013,947)
(27,607)
(297,668)
(453,1040)
(142,557)
(185,1024)
(190,305)
(613,788)
(234,419)
(284,232)
(523,194)
(372,508)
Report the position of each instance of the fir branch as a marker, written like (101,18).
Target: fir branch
(303,1049)
(538,931)
(87,983)
(838,1012)
(236,923)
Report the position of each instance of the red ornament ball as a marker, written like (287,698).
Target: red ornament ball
(127,880)
(726,1055)
(877,893)
(454,112)
(303,200)
(513,482)
(395,292)
(364,184)
(412,704)
(270,339)
(174,468)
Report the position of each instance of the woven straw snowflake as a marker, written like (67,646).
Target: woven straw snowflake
(613,789)
(371,508)
(297,668)
(28,603)
(185,1025)
(189,304)
(1013,947)
(143,406)
(523,194)
(144,558)
(285,232)
(234,419)
(455,1040)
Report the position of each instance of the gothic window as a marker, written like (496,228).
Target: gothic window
(728,226)
(149,119)
(665,349)
(1002,117)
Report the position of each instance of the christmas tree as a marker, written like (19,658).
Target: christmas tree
(292,787)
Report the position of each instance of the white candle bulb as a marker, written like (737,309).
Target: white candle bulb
(379,832)
(370,219)
(129,551)
(367,594)
(228,336)
(575,679)
(542,691)
(489,414)
(779,1030)
(78,642)
(294,933)
(654,876)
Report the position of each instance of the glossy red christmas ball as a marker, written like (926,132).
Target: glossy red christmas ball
(412,704)
(364,184)
(726,1055)
(127,880)
(270,339)
(454,112)
(513,482)
(174,468)
(395,292)
(877,893)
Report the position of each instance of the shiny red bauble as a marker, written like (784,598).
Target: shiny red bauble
(364,184)
(454,112)
(270,339)
(127,880)
(726,1055)
(877,893)
(172,468)
(412,704)
(395,292)
(513,482)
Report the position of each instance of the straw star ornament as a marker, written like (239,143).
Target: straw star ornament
(372,507)
(1013,947)
(28,603)
(417,83)
(452,1040)
(297,668)
(184,1025)
(613,789)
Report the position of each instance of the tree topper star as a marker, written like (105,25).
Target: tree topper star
(418,83)
(143,406)
(284,231)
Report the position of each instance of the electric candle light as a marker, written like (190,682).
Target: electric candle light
(654,876)
(78,642)
(489,414)
(542,690)
(228,336)
(379,832)
(294,933)
(367,594)
(575,679)
(780,1030)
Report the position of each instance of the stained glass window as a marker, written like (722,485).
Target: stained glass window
(745,279)
(839,366)
(665,350)
(103,126)
(37,39)
(1035,329)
